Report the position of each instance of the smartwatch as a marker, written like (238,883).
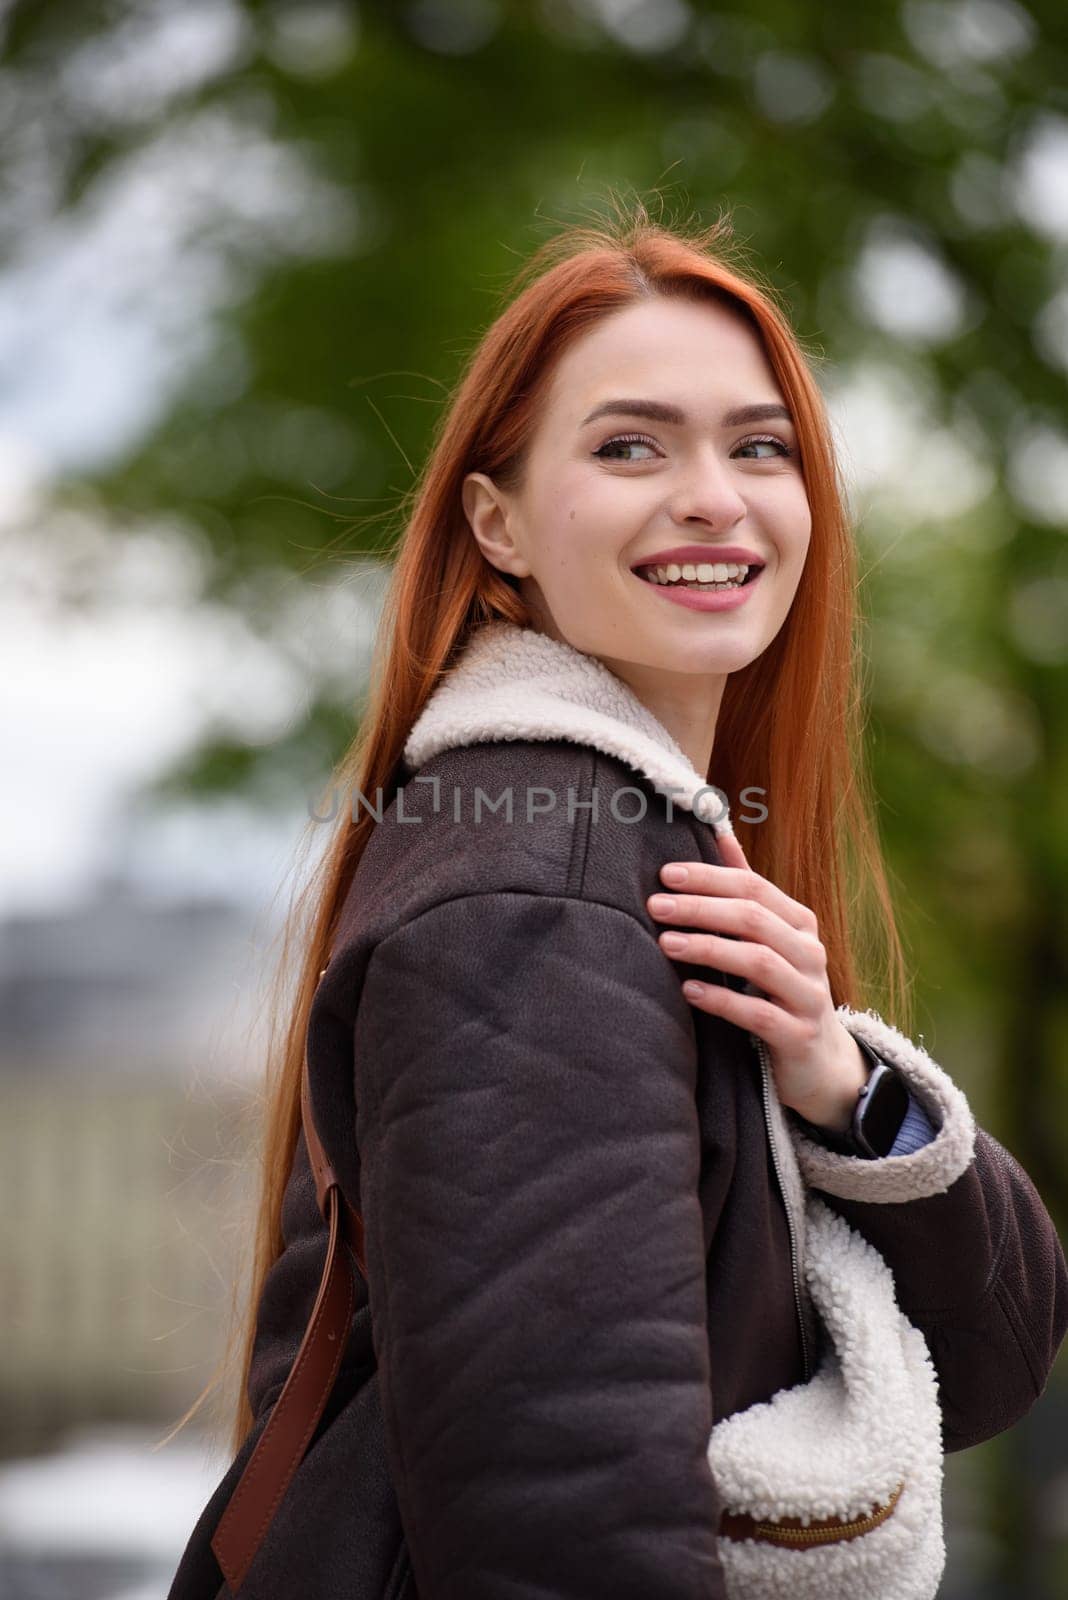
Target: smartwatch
(880,1110)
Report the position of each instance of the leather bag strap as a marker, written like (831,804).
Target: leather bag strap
(280,1449)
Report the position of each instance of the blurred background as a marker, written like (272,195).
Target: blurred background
(245,248)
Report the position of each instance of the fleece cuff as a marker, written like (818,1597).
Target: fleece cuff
(929,1170)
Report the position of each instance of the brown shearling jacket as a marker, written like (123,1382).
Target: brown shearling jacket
(581,1251)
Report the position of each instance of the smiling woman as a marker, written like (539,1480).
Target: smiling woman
(544,1298)
(585,519)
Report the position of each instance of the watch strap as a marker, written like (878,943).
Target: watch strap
(855,1140)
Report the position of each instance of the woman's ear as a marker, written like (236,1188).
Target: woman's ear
(491,520)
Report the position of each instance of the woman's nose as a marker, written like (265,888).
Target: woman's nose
(710,494)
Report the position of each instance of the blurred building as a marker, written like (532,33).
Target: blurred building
(130,1039)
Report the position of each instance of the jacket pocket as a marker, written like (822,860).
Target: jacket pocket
(833,1488)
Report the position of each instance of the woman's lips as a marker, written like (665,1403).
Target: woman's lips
(704,599)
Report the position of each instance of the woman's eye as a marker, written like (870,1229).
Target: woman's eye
(627,441)
(780,445)
(622,441)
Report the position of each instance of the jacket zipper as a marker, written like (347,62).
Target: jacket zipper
(776,1533)
(765,1069)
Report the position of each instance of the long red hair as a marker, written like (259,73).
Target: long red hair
(790,723)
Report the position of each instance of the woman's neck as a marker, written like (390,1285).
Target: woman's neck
(686,704)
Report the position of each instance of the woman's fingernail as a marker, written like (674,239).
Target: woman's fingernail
(693,989)
(674,941)
(662,905)
(674,874)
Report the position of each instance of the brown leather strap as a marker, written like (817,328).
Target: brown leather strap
(280,1449)
(325,1176)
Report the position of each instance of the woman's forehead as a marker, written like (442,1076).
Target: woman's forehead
(699,362)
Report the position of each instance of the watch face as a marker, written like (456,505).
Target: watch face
(884,1110)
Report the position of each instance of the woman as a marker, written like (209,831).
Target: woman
(580,1177)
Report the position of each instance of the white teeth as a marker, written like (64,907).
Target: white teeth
(704,572)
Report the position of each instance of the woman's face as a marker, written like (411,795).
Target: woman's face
(608,490)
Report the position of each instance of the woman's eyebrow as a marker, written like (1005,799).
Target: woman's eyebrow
(659,411)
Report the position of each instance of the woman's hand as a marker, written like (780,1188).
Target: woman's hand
(818,1066)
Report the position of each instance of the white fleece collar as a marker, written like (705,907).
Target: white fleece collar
(516,683)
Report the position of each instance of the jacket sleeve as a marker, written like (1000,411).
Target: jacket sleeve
(975,1255)
(535,1252)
